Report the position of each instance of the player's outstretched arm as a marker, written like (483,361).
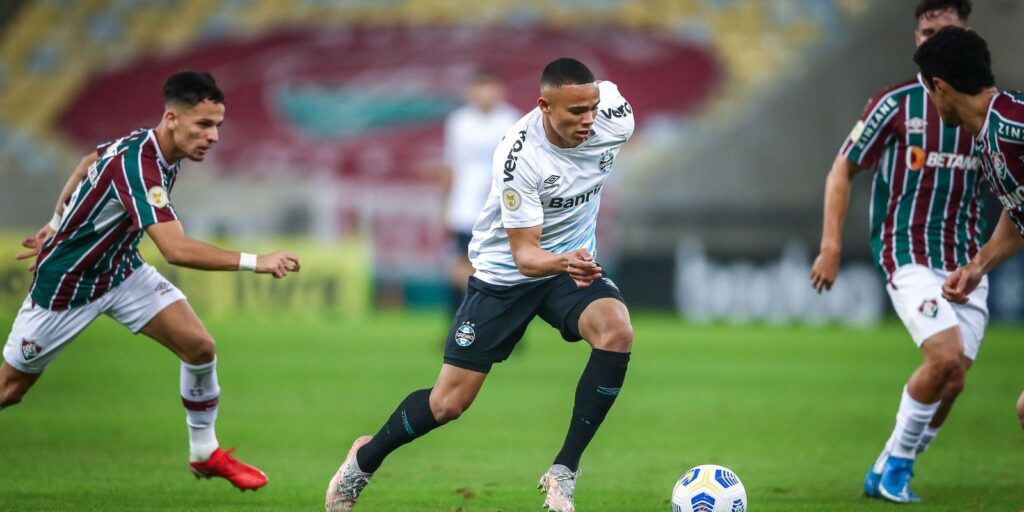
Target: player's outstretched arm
(837,199)
(183,251)
(35,242)
(79,174)
(532,261)
(1005,242)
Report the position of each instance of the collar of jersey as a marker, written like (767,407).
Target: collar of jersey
(164,166)
(988,113)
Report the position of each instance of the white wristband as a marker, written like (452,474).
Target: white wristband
(247,261)
(55,221)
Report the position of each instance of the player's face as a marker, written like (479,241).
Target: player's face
(195,129)
(571,111)
(931,22)
(485,94)
(943,97)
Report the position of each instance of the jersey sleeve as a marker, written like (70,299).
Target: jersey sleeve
(518,183)
(614,113)
(867,139)
(140,189)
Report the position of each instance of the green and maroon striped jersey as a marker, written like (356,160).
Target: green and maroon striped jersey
(1001,146)
(95,248)
(926,188)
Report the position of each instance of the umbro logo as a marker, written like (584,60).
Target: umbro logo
(917,125)
(551,182)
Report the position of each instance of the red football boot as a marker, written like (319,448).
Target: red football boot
(222,464)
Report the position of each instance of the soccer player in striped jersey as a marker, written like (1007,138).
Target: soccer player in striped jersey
(87,264)
(957,68)
(924,223)
(532,248)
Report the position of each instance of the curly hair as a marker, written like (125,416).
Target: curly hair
(959,57)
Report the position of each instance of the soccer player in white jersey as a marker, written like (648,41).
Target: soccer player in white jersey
(533,250)
(471,132)
(925,221)
(88,264)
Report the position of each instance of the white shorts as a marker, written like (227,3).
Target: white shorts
(916,293)
(38,333)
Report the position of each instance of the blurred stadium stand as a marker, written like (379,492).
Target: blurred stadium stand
(335,110)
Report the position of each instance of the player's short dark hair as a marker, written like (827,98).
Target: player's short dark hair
(958,56)
(565,71)
(962,7)
(191,88)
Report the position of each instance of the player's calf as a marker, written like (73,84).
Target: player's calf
(14,385)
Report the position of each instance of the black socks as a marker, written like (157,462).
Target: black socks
(410,420)
(599,385)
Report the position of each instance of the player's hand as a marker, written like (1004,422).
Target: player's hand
(960,283)
(825,270)
(34,243)
(278,264)
(582,268)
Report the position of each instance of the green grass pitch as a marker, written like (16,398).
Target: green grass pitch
(798,413)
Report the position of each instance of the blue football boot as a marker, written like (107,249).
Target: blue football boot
(895,483)
(871,482)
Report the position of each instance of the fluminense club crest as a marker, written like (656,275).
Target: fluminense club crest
(999,164)
(929,308)
(30,349)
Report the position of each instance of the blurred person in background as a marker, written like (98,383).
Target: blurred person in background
(533,250)
(471,132)
(957,68)
(925,222)
(88,264)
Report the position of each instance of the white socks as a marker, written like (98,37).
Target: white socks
(879,465)
(926,439)
(911,420)
(200,395)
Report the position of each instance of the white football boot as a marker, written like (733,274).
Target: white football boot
(348,482)
(560,485)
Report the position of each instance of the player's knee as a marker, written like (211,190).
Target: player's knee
(617,338)
(945,358)
(448,409)
(954,387)
(947,363)
(201,349)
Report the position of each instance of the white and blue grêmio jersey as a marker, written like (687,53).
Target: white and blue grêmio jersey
(535,183)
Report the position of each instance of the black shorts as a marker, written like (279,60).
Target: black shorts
(492,319)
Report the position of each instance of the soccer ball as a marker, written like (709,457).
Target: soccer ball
(709,488)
